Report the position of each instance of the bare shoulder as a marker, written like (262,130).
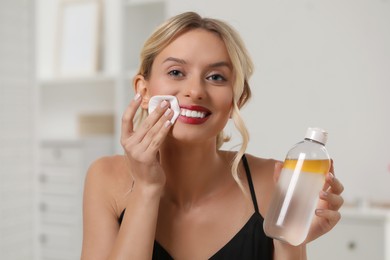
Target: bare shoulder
(103,190)
(107,167)
(262,172)
(108,179)
(260,165)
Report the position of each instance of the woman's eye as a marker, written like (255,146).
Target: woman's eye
(175,73)
(216,77)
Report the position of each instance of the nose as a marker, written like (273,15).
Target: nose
(195,89)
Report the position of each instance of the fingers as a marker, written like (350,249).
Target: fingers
(330,176)
(150,134)
(154,123)
(331,216)
(331,201)
(277,170)
(156,135)
(154,116)
(331,166)
(332,193)
(334,184)
(334,201)
(128,117)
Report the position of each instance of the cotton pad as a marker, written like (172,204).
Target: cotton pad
(156,100)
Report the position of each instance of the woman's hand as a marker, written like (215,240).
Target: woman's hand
(142,146)
(327,214)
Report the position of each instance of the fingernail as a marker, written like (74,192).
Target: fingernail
(323,194)
(137,96)
(167,123)
(319,211)
(331,176)
(163,104)
(280,165)
(167,112)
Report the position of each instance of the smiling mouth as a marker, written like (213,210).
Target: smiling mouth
(193,113)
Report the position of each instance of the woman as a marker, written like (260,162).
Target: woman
(175,194)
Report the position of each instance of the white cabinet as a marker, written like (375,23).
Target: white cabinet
(63,166)
(360,235)
(65,150)
(126,26)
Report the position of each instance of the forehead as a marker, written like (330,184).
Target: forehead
(197,45)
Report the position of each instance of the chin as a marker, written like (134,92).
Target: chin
(190,136)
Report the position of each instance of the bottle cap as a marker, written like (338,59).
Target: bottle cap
(317,134)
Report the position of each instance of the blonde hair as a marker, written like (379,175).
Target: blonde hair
(242,66)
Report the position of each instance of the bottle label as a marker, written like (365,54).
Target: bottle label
(310,166)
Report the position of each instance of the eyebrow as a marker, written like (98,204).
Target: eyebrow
(181,61)
(212,65)
(221,64)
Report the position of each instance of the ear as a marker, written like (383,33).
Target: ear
(141,86)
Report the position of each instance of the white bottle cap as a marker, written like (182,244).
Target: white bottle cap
(317,134)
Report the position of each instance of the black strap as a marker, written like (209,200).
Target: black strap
(120,219)
(249,177)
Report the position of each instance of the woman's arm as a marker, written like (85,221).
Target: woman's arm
(103,239)
(136,236)
(100,221)
(284,251)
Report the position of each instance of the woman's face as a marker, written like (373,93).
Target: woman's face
(195,68)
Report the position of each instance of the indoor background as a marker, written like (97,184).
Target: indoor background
(65,78)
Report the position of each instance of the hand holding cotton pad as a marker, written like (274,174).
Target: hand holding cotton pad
(156,100)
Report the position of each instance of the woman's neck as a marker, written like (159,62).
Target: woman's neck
(194,172)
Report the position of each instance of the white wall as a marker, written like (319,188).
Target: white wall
(318,63)
(17,92)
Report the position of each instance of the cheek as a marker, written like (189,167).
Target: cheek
(159,86)
(225,100)
(154,87)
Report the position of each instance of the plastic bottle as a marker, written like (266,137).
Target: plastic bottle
(297,191)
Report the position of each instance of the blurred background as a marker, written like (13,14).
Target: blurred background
(65,78)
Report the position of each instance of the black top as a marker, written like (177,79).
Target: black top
(249,243)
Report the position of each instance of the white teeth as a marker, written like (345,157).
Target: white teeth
(192,113)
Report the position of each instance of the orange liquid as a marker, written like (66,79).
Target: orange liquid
(311,166)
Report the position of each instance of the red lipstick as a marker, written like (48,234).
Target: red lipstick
(193,119)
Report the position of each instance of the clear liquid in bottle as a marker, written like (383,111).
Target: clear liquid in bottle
(297,192)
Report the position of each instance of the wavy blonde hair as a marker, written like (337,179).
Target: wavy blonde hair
(241,61)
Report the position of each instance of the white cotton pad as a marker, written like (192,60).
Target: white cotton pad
(156,100)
